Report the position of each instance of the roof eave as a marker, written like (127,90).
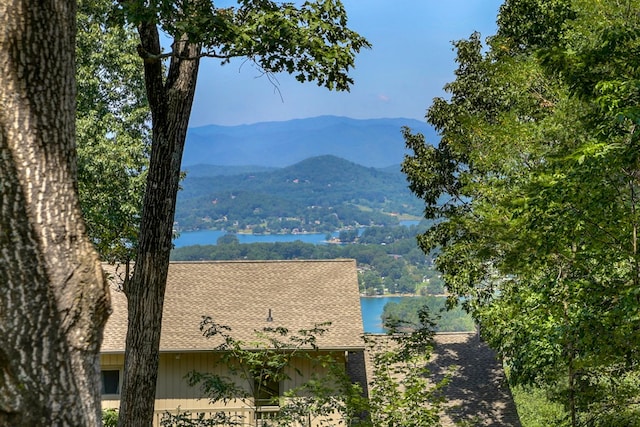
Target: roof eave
(209,350)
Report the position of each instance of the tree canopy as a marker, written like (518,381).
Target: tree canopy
(310,41)
(112,130)
(534,189)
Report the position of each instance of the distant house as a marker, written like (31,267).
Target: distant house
(246,296)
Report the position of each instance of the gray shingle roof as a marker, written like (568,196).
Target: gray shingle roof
(239,294)
(478,394)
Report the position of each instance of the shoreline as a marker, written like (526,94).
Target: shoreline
(403,295)
(389,295)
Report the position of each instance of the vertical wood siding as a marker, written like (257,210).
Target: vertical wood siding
(173,392)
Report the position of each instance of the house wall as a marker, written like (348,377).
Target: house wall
(112,362)
(173,391)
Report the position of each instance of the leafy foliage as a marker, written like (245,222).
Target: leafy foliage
(268,359)
(401,391)
(109,417)
(535,409)
(534,191)
(312,41)
(188,419)
(445,320)
(112,130)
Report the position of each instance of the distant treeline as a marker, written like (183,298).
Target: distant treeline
(406,311)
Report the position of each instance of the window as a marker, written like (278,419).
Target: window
(111,381)
(267,392)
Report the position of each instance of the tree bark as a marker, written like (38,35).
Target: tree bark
(54,300)
(170,101)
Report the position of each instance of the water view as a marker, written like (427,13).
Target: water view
(372,308)
(210,237)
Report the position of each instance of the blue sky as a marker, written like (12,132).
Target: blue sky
(409,63)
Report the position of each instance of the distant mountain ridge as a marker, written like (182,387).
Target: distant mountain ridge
(205,170)
(367,142)
(318,176)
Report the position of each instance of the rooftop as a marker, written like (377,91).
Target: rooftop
(240,294)
(478,394)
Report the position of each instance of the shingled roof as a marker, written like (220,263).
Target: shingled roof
(477,393)
(239,294)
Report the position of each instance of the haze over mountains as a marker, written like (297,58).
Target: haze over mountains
(371,142)
(314,175)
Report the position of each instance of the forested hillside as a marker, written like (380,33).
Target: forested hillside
(320,194)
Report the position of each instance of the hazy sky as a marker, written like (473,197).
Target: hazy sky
(410,61)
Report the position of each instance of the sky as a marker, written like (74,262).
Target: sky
(409,63)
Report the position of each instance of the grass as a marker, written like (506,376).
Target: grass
(535,409)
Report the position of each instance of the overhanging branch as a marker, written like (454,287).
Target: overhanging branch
(149,57)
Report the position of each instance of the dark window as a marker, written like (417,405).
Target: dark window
(111,382)
(267,392)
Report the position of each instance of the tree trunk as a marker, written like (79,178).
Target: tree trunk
(170,101)
(54,300)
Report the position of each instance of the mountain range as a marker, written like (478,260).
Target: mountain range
(369,142)
(315,174)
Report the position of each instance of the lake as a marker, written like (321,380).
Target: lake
(210,237)
(372,311)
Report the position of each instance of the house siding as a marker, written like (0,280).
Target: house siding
(109,362)
(247,296)
(173,393)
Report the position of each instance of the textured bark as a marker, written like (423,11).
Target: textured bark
(53,296)
(170,101)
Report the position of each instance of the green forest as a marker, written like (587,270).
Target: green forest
(405,314)
(320,194)
(534,185)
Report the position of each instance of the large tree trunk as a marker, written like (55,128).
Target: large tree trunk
(53,297)
(170,101)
